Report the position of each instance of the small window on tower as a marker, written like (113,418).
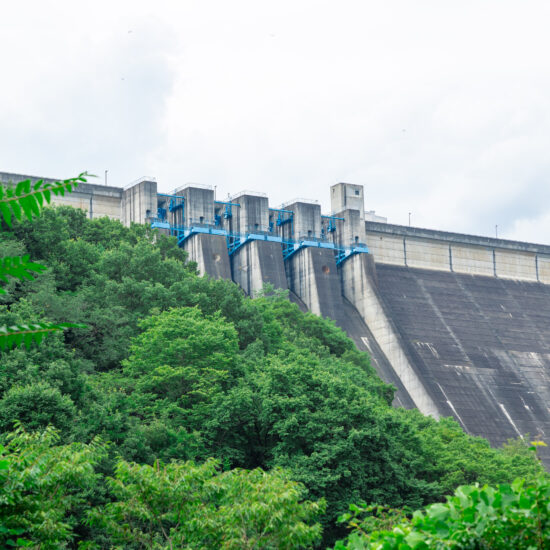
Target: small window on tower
(357,191)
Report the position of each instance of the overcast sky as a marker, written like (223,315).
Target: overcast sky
(438,107)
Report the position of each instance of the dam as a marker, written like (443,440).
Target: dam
(459,324)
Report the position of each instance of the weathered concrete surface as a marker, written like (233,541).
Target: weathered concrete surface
(312,275)
(96,200)
(257,263)
(360,288)
(353,325)
(198,208)
(306,220)
(315,285)
(139,202)
(252,214)
(441,250)
(480,345)
(210,253)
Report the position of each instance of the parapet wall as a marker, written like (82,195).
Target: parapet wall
(135,203)
(457,253)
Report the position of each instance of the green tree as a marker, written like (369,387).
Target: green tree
(184,505)
(41,484)
(508,516)
(27,199)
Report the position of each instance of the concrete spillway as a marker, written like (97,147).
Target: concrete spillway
(315,282)
(480,345)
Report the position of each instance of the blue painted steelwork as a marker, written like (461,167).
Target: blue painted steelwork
(160,223)
(282,218)
(343,254)
(234,242)
(291,247)
(176,203)
(228,212)
(331,227)
(185,232)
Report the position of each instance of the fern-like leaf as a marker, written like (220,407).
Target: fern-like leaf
(19,267)
(27,198)
(27,335)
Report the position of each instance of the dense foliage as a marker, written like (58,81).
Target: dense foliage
(174,370)
(508,516)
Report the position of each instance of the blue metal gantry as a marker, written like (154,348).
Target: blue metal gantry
(291,247)
(236,241)
(331,225)
(227,212)
(342,254)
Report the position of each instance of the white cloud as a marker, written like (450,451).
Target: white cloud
(439,108)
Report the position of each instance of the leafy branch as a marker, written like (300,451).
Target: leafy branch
(16,335)
(28,198)
(19,267)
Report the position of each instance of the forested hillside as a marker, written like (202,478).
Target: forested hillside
(130,433)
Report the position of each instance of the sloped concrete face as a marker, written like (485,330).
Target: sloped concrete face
(313,277)
(257,263)
(210,253)
(359,284)
(480,345)
(316,285)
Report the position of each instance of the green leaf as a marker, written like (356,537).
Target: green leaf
(19,267)
(28,335)
(28,199)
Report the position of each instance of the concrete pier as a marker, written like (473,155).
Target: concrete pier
(313,276)
(138,201)
(196,212)
(210,253)
(256,261)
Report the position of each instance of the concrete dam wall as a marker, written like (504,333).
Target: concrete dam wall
(459,324)
(480,345)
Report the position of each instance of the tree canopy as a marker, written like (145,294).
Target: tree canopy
(189,380)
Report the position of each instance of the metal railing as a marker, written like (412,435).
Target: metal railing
(248,192)
(138,181)
(196,185)
(306,201)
